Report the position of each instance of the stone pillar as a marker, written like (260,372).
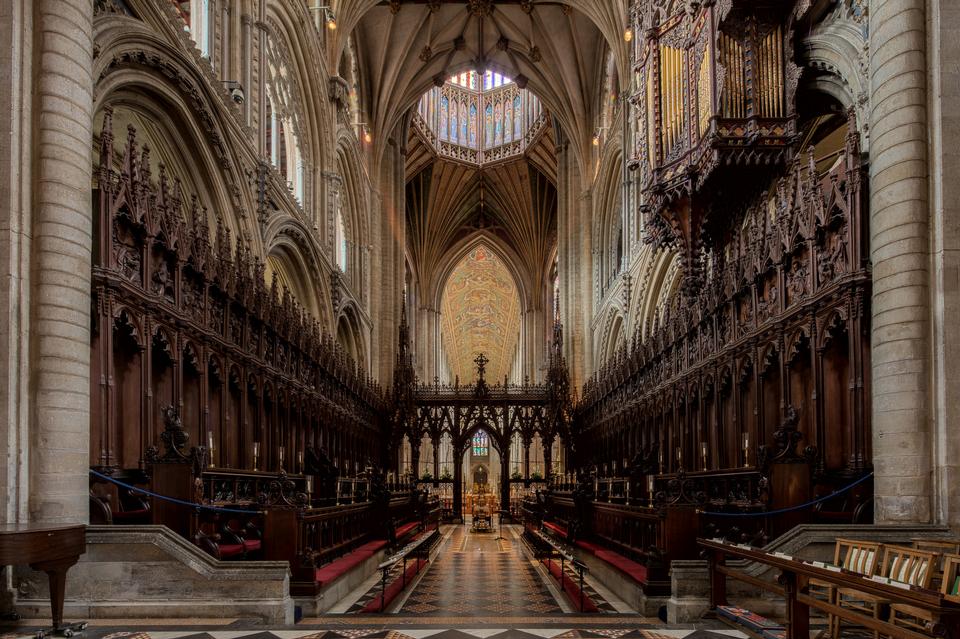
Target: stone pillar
(944,95)
(16,111)
(899,250)
(62,228)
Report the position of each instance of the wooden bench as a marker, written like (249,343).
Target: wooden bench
(795,576)
(556,529)
(924,620)
(901,565)
(861,557)
(327,574)
(633,569)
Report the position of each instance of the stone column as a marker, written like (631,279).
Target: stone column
(899,250)
(944,92)
(62,243)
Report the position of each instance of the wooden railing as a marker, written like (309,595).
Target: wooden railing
(793,586)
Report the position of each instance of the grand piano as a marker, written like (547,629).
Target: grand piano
(48,548)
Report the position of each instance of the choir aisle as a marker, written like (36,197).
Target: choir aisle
(477,586)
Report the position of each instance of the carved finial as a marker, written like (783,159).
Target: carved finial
(106,139)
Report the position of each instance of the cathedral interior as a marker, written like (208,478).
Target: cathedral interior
(336,319)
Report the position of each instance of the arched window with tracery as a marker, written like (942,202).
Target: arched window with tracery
(481,444)
(197,17)
(283,125)
(341,239)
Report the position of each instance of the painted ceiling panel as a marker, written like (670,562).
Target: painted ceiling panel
(480,314)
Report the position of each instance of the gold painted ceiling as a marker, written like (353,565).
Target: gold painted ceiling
(480,314)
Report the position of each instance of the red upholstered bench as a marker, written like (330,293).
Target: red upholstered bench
(251,545)
(336,569)
(571,588)
(589,546)
(394,588)
(634,570)
(373,546)
(406,529)
(557,528)
(229,551)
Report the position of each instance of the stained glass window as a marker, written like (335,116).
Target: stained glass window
(481,444)
(444,113)
(475,114)
(489,125)
(473,125)
(454,130)
(517,118)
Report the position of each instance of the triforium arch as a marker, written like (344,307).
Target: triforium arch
(351,333)
(167,100)
(294,257)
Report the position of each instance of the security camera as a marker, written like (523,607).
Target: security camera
(235,89)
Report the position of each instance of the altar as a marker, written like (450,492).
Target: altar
(481,504)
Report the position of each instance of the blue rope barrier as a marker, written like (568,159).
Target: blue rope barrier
(793,508)
(173,500)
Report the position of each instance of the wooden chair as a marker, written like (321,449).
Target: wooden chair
(920,619)
(901,564)
(862,557)
(942,547)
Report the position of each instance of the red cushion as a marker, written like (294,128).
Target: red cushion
(405,529)
(589,546)
(394,588)
(631,568)
(230,550)
(338,568)
(557,528)
(571,588)
(251,544)
(373,546)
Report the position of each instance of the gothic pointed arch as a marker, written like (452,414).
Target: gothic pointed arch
(152,87)
(480,313)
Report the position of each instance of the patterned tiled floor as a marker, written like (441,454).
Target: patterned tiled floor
(406,633)
(477,575)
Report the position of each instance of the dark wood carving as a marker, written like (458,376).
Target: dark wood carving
(192,347)
(750,395)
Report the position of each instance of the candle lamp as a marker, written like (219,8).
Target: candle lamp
(679,458)
(281,457)
(256,454)
(746,450)
(660,459)
(210,446)
(703,454)
(309,486)
(300,460)
(650,487)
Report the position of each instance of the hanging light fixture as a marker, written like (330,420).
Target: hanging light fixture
(628,35)
(329,18)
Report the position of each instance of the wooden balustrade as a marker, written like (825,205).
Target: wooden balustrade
(942,610)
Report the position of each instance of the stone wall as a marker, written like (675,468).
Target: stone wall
(150,572)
